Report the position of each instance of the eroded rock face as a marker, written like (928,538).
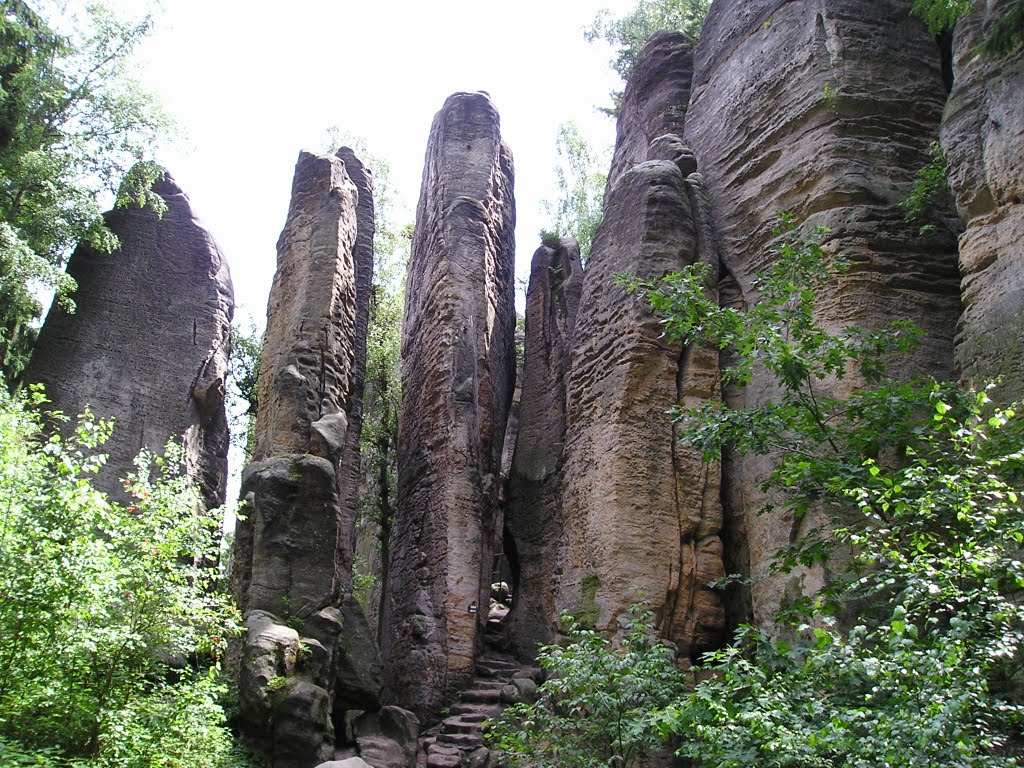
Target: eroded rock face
(532,505)
(458,368)
(826,111)
(292,569)
(983,138)
(654,103)
(640,512)
(148,343)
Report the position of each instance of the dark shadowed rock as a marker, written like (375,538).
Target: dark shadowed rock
(983,138)
(148,343)
(532,509)
(826,111)
(458,368)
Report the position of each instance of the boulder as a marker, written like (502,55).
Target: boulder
(147,345)
(457,378)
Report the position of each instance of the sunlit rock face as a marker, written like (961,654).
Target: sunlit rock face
(293,551)
(457,377)
(635,514)
(533,513)
(983,138)
(147,345)
(825,110)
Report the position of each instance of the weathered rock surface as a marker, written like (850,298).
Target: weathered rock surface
(348,460)
(458,368)
(532,509)
(827,111)
(654,103)
(640,512)
(293,552)
(148,343)
(983,138)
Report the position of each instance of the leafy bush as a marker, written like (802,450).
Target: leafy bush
(111,625)
(922,483)
(932,183)
(595,707)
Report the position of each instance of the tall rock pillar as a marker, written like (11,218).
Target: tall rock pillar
(533,514)
(457,377)
(825,110)
(293,553)
(148,343)
(641,514)
(983,138)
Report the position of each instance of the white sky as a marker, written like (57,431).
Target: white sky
(251,84)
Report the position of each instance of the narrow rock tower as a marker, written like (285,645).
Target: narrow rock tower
(293,552)
(458,371)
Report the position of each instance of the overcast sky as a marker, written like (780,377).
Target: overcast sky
(251,84)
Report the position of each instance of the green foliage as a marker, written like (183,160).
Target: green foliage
(629,34)
(920,483)
(111,626)
(595,707)
(550,238)
(75,132)
(932,183)
(580,183)
(940,15)
(244,382)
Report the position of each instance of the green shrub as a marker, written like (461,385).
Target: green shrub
(111,625)
(595,706)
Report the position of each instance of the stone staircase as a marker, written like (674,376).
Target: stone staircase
(458,740)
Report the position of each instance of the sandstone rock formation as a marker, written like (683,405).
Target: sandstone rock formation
(983,138)
(640,513)
(458,367)
(293,553)
(148,343)
(827,111)
(533,513)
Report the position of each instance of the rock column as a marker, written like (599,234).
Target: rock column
(641,514)
(533,514)
(983,138)
(825,110)
(308,654)
(458,368)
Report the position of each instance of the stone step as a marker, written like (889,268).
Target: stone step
(457,725)
(461,740)
(474,717)
(496,670)
(440,760)
(488,696)
(442,749)
(485,710)
(486,685)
